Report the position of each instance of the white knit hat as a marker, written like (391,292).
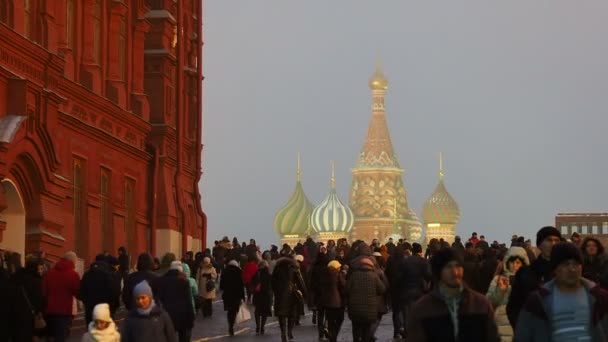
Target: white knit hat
(299,258)
(177,265)
(101,312)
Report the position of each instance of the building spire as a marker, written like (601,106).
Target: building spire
(299,170)
(441,166)
(333,175)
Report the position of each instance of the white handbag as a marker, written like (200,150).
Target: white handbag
(243,315)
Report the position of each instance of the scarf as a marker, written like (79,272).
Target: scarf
(146,312)
(109,334)
(453,303)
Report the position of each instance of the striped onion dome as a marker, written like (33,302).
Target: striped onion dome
(294,217)
(331,215)
(441,207)
(415,227)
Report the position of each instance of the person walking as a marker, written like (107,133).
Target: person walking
(333,283)
(451,312)
(500,288)
(594,259)
(99,285)
(102,327)
(145,264)
(233,293)
(124,261)
(147,321)
(289,292)
(568,308)
(363,287)
(251,267)
(529,279)
(262,296)
(414,280)
(61,285)
(25,301)
(206,279)
(193,287)
(175,296)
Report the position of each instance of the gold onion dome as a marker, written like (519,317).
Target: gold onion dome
(331,215)
(441,206)
(294,217)
(378,81)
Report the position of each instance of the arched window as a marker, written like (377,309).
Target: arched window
(97,30)
(122,49)
(70,23)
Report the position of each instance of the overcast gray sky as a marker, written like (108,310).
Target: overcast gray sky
(514,93)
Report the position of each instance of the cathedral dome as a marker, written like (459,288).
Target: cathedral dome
(378,81)
(331,216)
(415,227)
(441,206)
(294,217)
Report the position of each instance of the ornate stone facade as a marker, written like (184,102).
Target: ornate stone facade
(378,196)
(107,148)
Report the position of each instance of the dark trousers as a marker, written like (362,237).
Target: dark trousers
(286,324)
(59,327)
(260,322)
(398,323)
(405,309)
(335,318)
(362,331)
(207,308)
(320,321)
(232,316)
(185,335)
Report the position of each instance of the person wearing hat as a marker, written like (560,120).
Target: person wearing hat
(233,292)
(568,308)
(145,264)
(530,278)
(333,283)
(99,285)
(175,296)
(413,280)
(206,278)
(262,296)
(451,311)
(147,321)
(102,328)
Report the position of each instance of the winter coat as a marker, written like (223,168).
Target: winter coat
(248,271)
(487,270)
(60,286)
(499,298)
(412,278)
(317,272)
(156,326)
(262,300)
(203,275)
(534,324)
(363,287)
(99,285)
(6,315)
(527,280)
(232,287)
(175,296)
(193,286)
(472,276)
(110,334)
(430,319)
(286,281)
(593,267)
(25,282)
(333,283)
(383,298)
(131,281)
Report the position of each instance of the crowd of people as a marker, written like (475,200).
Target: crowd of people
(554,290)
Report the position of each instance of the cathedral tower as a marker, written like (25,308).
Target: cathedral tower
(378,196)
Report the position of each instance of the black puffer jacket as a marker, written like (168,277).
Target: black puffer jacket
(232,287)
(363,289)
(144,272)
(25,282)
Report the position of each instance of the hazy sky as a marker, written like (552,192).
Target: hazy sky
(514,93)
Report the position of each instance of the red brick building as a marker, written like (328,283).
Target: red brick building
(585,224)
(100,126)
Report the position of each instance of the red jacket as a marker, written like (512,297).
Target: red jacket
(248,271)
(60,285)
